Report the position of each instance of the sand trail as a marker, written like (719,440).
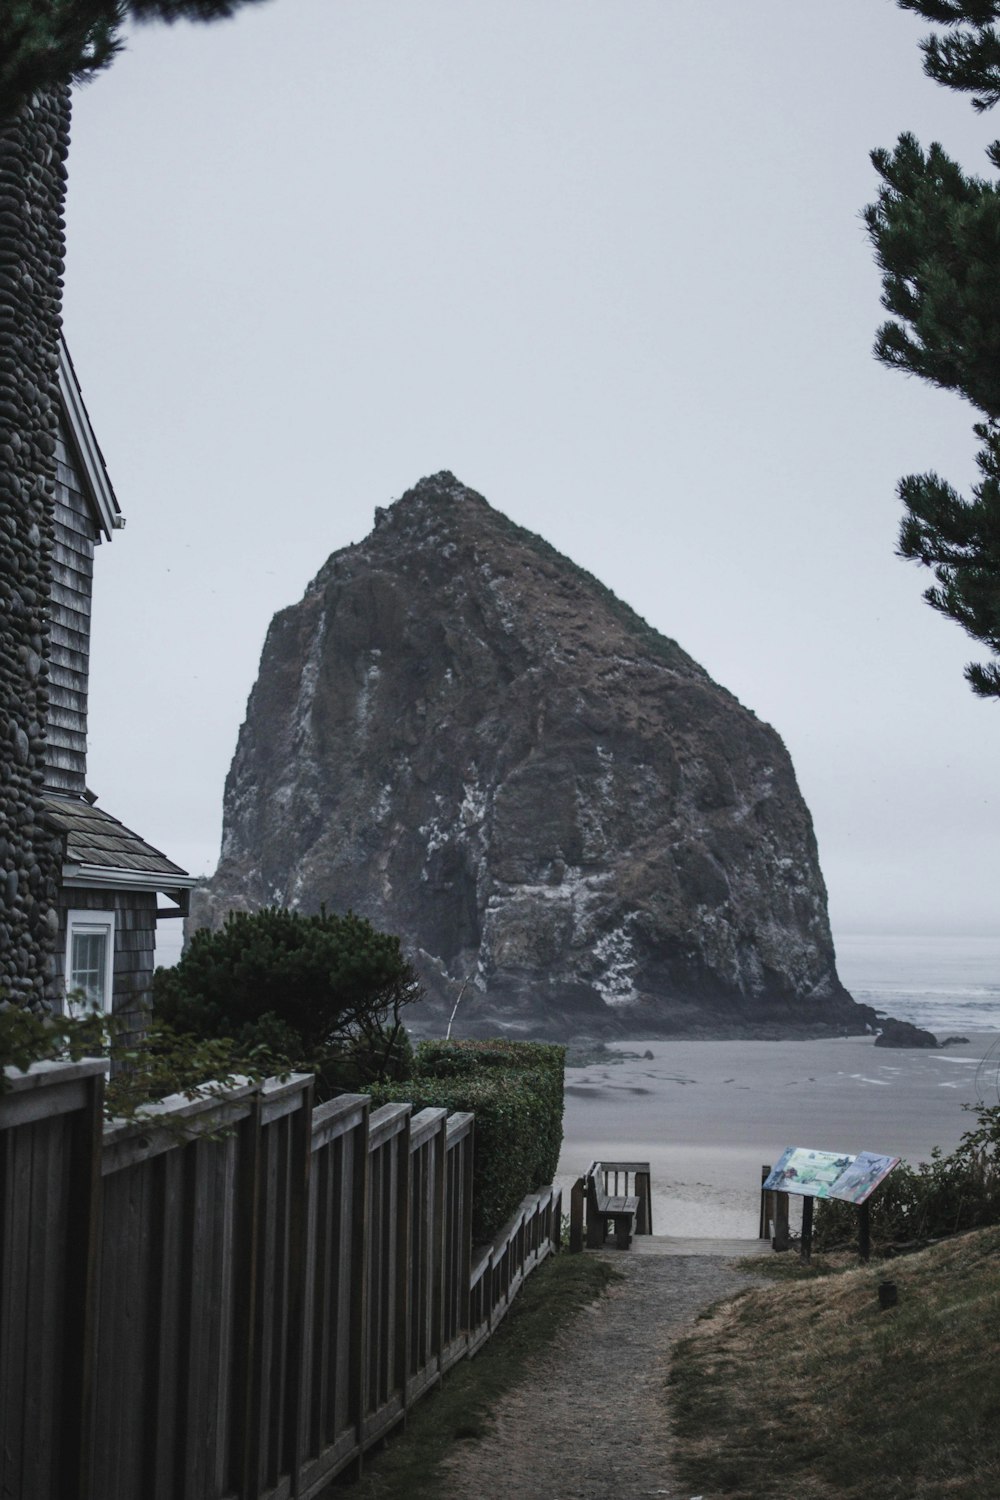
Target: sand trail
(591,1417)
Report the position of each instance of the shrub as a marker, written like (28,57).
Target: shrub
(145,1067)
(325,991)
(515,1090)
(939,1197)
(544,1061)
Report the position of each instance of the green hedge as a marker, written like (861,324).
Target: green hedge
(515,1091)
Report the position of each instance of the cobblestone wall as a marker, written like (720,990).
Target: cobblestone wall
(32,193)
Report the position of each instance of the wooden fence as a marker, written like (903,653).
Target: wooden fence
(234,1300)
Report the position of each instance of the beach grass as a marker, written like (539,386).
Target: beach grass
(460,1408)
(809,1388)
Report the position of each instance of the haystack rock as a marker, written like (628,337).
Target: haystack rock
(464,737)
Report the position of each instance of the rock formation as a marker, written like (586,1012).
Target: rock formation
(461,735)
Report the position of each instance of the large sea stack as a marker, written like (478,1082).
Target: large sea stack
(461,735)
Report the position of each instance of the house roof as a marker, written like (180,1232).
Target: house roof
(100,851)
(93,471)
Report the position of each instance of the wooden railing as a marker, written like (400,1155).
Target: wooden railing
(235,1299)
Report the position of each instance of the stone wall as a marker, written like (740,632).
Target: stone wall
(32,194)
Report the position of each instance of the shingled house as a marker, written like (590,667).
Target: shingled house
(111,880)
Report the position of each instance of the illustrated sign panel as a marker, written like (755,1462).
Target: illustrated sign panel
(808,1173)
(863,1176)
(829,1174)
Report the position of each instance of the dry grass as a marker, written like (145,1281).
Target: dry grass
(808,1389)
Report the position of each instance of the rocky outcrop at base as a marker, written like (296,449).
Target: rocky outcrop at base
(903,1034)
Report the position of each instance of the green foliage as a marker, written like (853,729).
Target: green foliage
(969,58)
(936,234)
(323,990)
(147,1064)
(939,1197)
(47,43)
(515,1090)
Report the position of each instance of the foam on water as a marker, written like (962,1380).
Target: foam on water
(944,984)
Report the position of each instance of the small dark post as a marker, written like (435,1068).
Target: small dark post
(807,1230)
(576,1217)
(780,1241)
(864,1232)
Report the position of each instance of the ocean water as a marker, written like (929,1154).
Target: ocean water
(944,984)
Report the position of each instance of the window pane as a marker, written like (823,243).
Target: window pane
(88,965)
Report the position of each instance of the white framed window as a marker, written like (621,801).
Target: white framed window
(90,960)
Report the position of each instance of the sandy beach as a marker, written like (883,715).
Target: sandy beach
(707,1115)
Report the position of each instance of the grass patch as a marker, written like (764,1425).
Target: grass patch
(809,1389)
(461,1407)
(790,1267)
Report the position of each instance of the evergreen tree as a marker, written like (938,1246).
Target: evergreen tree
(967,58)
(47,43)
(325,991)
(936,233)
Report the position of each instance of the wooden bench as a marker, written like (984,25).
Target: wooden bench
(607,1214)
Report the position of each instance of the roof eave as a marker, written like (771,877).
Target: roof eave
(95,475)
(85,877)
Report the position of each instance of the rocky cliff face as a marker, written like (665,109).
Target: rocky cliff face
(464,737)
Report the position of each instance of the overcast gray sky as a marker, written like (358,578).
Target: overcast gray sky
(605,262)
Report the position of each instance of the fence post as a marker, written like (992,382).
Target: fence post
(439,1247)
(80,1317)
(246,1441)
(404,1255)
(466,1268)
(357,1398)
(298,1262)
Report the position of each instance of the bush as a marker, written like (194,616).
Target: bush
(325,991)
(515,1090)
(145,1067)
(939,1197)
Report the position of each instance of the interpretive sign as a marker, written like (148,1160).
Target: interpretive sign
(829,1174)
(809,1173)
(863,1176)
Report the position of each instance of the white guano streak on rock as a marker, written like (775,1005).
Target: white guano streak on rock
(615,952)
(368,685)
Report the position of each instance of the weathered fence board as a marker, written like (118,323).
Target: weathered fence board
(50,1149)
(235,1298)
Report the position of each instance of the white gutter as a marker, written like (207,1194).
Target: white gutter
(100,877)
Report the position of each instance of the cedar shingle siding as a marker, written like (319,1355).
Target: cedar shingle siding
(72,582)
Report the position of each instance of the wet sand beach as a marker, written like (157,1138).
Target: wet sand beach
(707,1115)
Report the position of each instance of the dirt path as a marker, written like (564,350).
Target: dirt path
(591,1420)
